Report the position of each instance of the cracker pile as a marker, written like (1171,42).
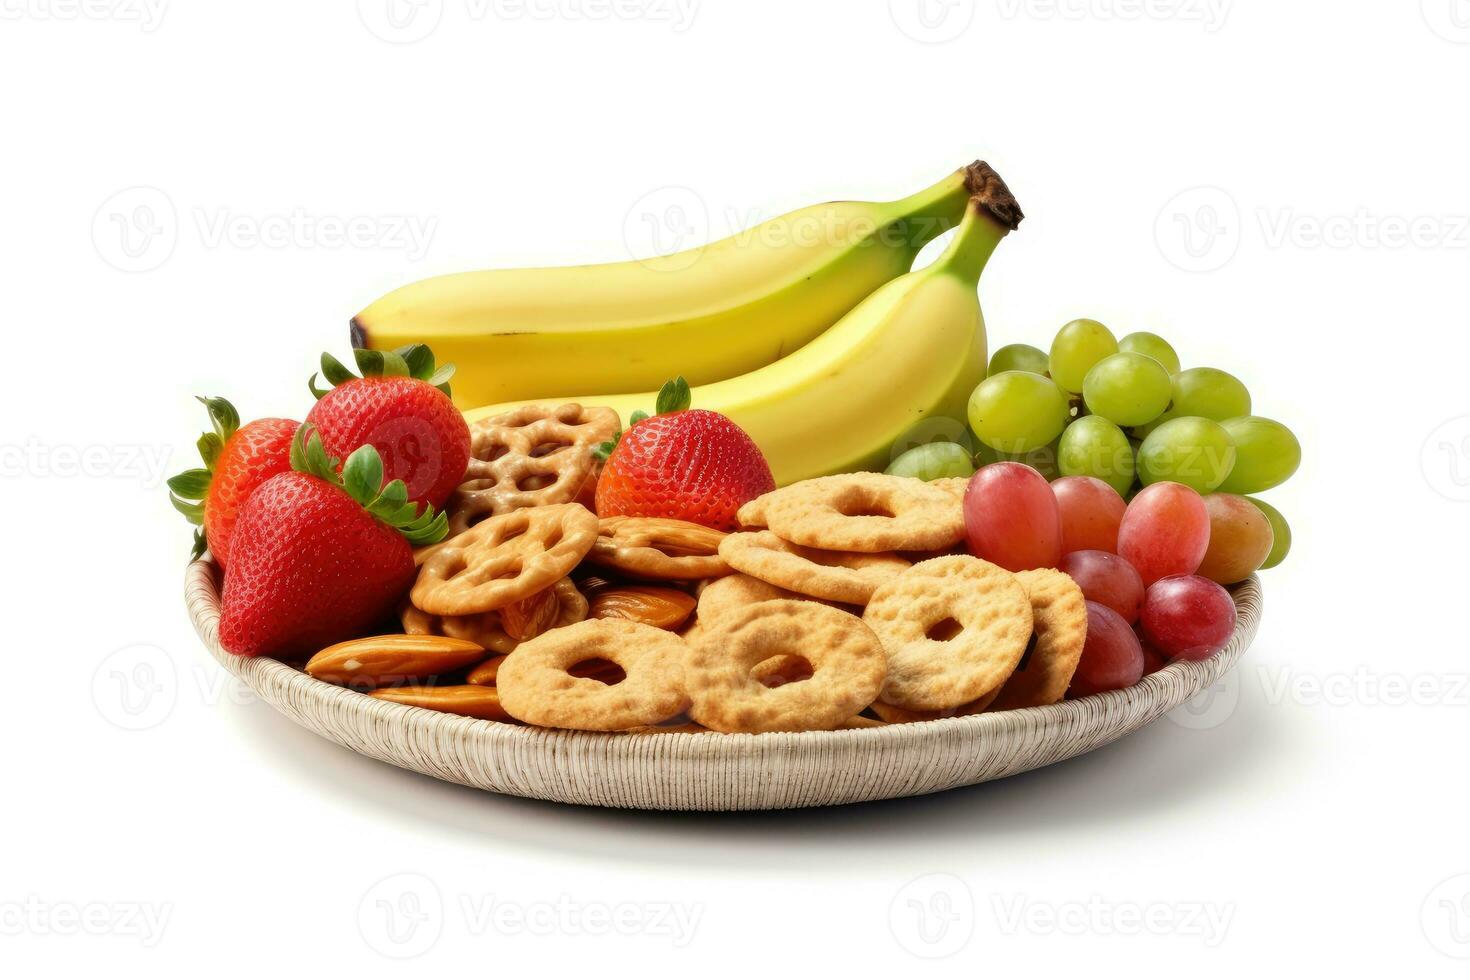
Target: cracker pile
(845,602)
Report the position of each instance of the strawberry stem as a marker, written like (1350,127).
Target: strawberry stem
(413,361)
(361,478)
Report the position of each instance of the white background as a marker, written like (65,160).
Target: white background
(160,822)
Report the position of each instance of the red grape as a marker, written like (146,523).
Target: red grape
(1107,579)
(1091,512)
(1240,539)
(1112,657)
(1165,531)
(1153,660)
(1011,517)
(1188,617)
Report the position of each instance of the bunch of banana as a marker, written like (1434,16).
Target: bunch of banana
(709,313)
(914,349)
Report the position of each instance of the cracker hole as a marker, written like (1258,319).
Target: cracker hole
(600,670)
(782,670)
(944,630)
(864,508)
(548,448)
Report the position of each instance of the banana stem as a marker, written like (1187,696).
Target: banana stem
(972,247)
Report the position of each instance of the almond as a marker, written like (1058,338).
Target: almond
(652,605)
(398,658)
(471,700)
(528,618)
(485,673)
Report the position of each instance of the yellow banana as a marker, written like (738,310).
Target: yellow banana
(709,313)
(913,350)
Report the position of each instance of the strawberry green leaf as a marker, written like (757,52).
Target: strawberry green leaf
(210,446)
(190,484)
(334,370)
(193,511)
(201,545)
(362,474)
(432,533)
(439,378)
(309,456)
(419,358)
(673,397)
(605,449)
(222,416)
(380,364)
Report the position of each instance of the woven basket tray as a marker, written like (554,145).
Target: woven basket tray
(713,771)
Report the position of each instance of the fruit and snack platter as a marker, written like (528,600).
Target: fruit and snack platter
(772,541)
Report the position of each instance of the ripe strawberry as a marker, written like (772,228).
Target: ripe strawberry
(687,464)
(319,557)
(401,407)
(237,459)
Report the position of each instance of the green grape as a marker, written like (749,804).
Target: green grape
(1017,411)
(1151,345)
(1093,446)
(1127,388)
(1209,393)
(1266,454)
(933,461)
(1194,451)
(1018,357)
(1078,346)
(1281,542)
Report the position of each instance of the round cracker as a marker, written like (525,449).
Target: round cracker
(993,618)
(537,687)
(846,658)
(839,576)
(867,512)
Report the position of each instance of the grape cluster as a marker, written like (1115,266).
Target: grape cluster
(1124,412)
